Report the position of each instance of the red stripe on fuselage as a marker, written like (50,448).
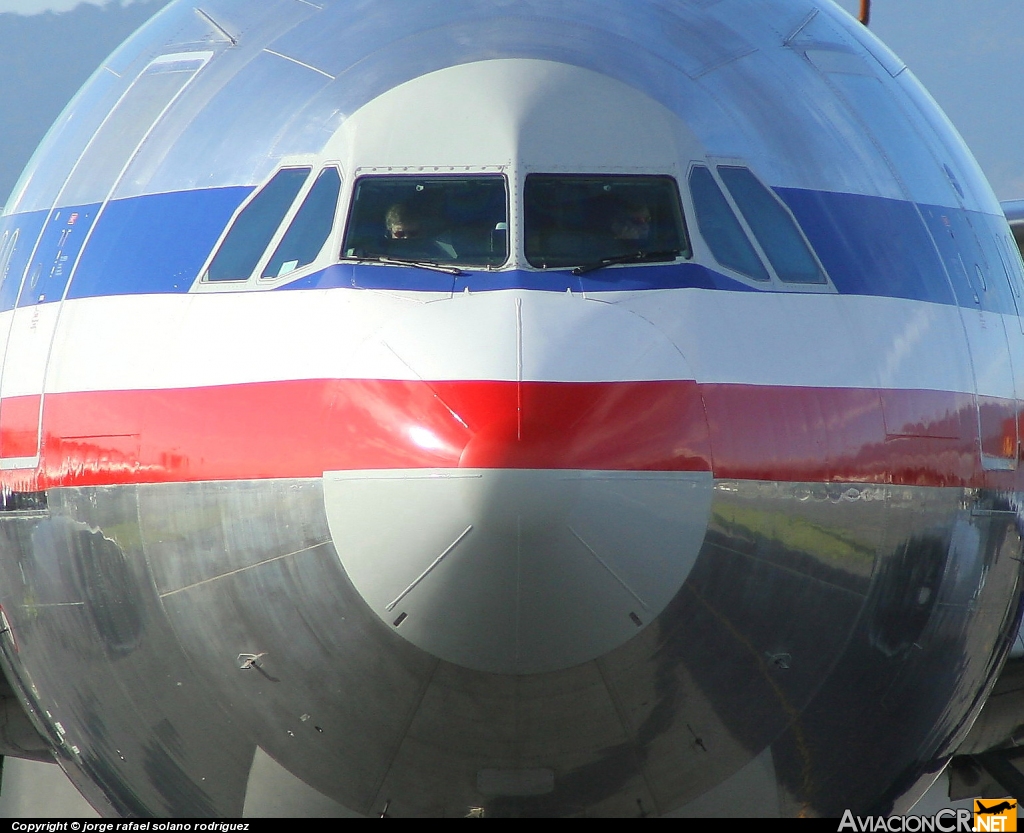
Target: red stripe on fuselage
(19,426)
(303,428)
(908,437)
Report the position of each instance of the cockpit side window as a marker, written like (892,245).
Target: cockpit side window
(310,227)
(255,225)
(720,228)
(776,231)
(441,220)
(581,220)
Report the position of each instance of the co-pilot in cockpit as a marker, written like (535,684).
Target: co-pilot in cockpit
(456,221)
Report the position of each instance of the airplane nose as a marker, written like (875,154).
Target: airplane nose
(517,571)
(514,501)
(526,555)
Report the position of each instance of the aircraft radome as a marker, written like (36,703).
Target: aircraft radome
(506,408)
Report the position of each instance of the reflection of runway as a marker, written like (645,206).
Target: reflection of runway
(35,790)
(31,789)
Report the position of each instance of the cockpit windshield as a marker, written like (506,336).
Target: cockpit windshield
(434,220)
(591,221)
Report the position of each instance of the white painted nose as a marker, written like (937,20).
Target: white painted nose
(517,571)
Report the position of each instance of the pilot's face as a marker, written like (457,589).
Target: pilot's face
(634,225)
(404,229)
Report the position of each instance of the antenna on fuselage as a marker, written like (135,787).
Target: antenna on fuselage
(216,25)
(865,12)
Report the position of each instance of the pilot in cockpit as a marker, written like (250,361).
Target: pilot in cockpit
(405,222)
(631,222)
(402,222)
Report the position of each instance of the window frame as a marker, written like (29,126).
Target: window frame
(286,224)
(686,257)
(776,283)
(785,212)
(255,280)
(434,172)
(744,230)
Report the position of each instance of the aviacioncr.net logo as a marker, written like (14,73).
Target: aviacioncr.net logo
(947,820)
(995,814)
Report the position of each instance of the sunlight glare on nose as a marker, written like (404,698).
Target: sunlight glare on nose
(425,439)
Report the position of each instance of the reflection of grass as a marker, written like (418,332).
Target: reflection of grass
(196,523)
(830,546)
(127,536)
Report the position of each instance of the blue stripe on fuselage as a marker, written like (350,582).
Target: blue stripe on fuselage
(869,245)
(154,244)
(879,246)
(665,276)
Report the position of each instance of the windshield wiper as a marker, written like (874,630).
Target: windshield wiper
(632,257)
(398,261)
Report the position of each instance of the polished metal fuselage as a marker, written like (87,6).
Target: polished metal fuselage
(847,629)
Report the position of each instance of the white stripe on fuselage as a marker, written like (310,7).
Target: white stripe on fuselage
(172,341)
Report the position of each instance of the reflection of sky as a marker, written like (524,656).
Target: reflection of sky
(968,53)
(36,6)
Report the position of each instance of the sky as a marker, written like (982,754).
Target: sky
(968,53)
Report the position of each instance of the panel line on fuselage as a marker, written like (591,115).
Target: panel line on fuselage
(243,569)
